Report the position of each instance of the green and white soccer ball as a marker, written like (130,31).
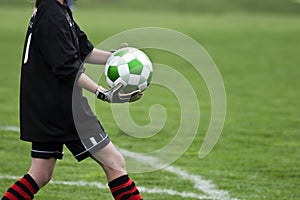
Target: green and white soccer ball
(131,67)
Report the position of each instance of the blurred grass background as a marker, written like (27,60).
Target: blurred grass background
(256,46)
(215,6)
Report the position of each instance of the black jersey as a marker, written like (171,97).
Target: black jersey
(54,51)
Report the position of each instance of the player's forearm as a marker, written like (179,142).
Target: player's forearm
(98,57)
(85,82)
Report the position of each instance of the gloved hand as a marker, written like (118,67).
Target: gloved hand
(114,95)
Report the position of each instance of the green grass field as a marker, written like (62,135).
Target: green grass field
(258,153)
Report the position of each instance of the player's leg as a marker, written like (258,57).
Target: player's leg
(41,170)
(24,188)
(44,156)
(95,143)
(113,163)
(39,174)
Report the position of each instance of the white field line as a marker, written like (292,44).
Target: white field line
(201,184)
(10,128)
(102,186)
(69,183)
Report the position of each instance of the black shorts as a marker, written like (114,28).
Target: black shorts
(80,149)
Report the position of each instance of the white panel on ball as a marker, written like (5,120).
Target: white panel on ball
(128,57)
(123,70)
(134,79)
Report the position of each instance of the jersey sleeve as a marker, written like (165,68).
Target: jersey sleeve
(85,45)
(58,48)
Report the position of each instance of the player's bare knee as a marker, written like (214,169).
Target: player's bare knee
(116,163)
(41,178)
(47,178)
(120,163)
(110,159)
(44,180)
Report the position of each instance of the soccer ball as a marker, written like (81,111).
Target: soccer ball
(129,66)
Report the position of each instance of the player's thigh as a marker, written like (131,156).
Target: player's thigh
(44,156)
(109,156)
(40,165)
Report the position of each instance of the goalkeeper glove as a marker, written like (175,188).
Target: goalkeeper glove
(114,95)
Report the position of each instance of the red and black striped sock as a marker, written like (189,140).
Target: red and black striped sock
(23,189)
(123,188)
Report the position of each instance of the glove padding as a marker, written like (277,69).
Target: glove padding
(114,95)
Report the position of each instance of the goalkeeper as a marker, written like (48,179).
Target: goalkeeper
(52,78)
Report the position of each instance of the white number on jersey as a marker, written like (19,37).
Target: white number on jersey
(27,49)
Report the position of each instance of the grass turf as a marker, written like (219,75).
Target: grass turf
(257,156)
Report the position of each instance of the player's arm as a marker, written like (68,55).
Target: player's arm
(112,95)
(87,83)
(98,56)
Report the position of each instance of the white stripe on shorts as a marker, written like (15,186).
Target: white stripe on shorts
(37,151)
(92,146)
